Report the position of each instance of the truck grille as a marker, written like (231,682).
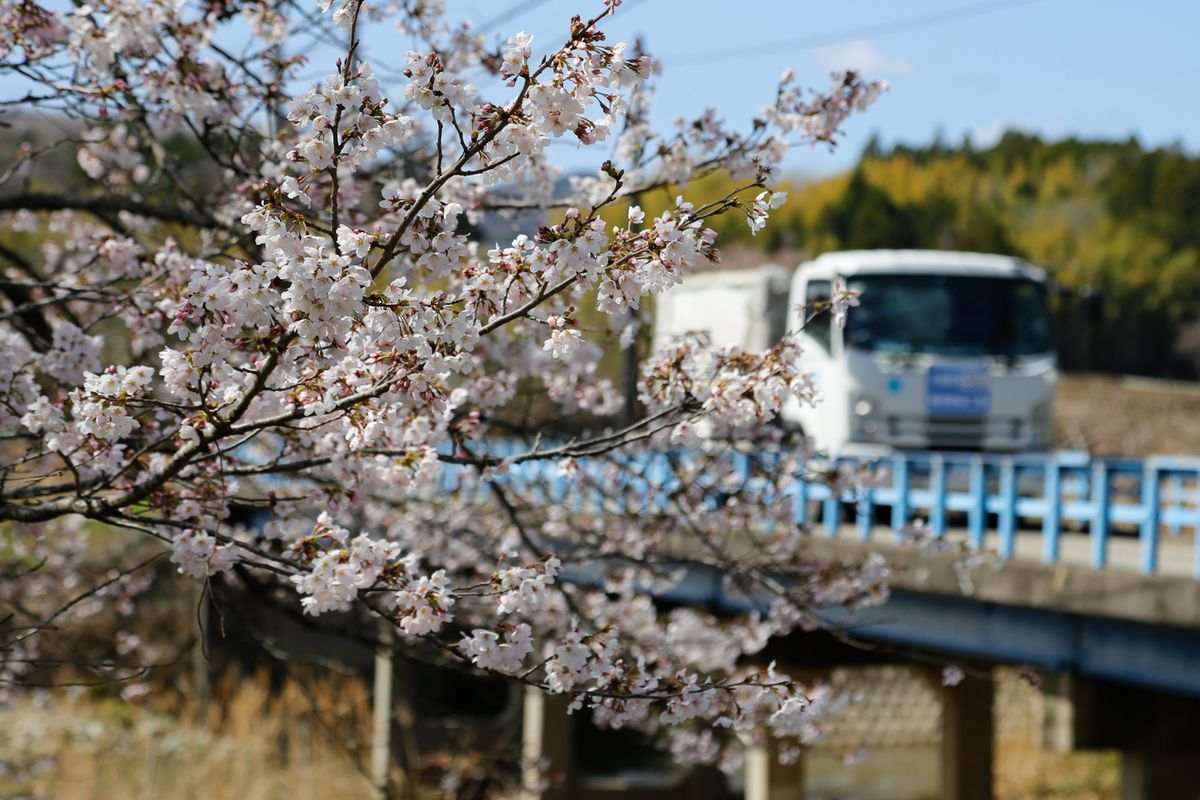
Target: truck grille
(955,433)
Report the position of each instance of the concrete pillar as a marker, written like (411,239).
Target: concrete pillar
(1062,713)
(381,714)
(967,734)
(1156,775)
(767,779)
(547,748)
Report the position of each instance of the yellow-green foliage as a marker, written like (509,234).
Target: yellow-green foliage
(1110,215)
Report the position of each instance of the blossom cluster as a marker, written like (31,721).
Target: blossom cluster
(336,307)
(732,387)
(339,567)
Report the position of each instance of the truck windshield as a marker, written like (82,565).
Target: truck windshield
(949,315)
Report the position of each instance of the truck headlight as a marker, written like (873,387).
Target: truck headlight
(863,425)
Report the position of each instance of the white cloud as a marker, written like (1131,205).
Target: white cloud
(862,55)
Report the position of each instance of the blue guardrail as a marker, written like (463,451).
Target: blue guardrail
(1143,495)
(994,491)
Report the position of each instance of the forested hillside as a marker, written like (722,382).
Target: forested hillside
(1105,215)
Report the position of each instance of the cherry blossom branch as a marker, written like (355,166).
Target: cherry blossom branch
(36,201)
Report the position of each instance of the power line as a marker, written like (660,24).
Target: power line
(528,5)
(510,15)
(879,29)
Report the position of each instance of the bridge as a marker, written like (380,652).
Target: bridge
(1090,572)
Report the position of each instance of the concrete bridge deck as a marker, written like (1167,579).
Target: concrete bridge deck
(949,566)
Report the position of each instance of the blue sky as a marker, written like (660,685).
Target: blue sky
(1093,68)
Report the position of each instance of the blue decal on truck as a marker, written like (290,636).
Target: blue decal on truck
(958,390)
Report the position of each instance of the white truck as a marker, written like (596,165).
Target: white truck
(746,308)
(945,351)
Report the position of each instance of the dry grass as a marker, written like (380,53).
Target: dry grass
(256,747)
(1026,772)
(260,745)
(1127,416)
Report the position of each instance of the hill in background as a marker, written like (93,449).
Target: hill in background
(1108,216)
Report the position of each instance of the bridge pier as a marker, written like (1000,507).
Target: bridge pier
(967,737)
(767,779)
(1148,774)
(547,747)
(1155,732)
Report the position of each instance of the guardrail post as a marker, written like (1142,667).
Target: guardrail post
(741,465)
(800,499)
(599,494)
(937,488)
(1100,514)
(1176,490)
(900,509)
(1195,509)
(977,517)
(449,477)
(1150,518)
(1008,507)
(865,513)
(1195,529)
(831,513)
(1052,519)
(656,482)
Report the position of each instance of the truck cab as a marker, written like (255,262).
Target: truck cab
(945,350)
